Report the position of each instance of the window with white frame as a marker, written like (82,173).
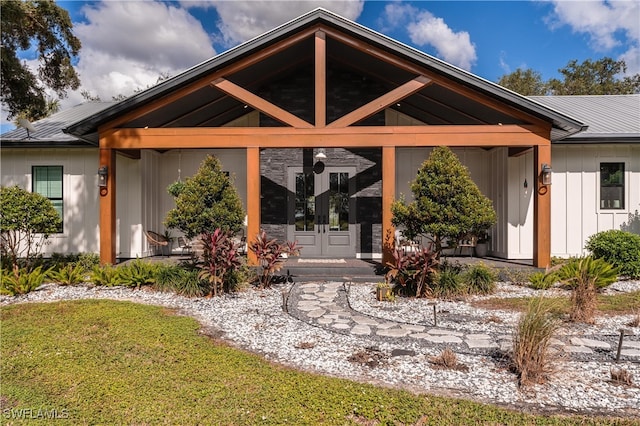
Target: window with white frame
(612,186)
(47,181)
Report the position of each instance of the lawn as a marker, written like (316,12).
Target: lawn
(107,362)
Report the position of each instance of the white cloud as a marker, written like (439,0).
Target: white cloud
(127,45)
(424,28)
(607,24)
(243,20)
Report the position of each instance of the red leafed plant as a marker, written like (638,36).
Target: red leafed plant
(412,271)
(220,258)
(271,255)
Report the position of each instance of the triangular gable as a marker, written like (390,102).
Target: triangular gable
(223,88)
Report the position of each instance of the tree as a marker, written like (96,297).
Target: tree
(601,77)
(205,202)
(525,82)
(47,26)
(26,221)
(594,78)
(447,203)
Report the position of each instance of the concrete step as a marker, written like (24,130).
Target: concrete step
(353,269)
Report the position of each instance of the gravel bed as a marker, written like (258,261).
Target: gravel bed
(254,320)
(461,315)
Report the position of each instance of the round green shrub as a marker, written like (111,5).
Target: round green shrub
(480,279)
(619,248)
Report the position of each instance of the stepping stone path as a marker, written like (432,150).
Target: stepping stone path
(326,305)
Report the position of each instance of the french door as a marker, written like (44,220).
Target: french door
(321,211)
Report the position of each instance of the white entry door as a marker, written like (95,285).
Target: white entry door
(321,211)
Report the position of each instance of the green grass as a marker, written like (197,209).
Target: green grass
(107,362)
(616,304)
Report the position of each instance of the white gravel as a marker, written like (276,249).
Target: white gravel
(254,320)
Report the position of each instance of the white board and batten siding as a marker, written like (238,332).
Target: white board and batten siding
(162,169)
(80,192)
(81,201)
(576,213)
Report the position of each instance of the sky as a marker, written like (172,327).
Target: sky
(127,45)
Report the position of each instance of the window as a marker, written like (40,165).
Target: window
(47,181)
(612,186)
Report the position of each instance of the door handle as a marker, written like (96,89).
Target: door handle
(324,225)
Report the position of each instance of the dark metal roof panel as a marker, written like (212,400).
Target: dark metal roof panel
(49,130)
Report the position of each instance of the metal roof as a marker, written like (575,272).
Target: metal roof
(610,117)
(563,124)
(49,130)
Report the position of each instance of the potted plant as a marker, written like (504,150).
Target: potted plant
(482,245)
(383,292)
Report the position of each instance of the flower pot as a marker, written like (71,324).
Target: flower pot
(482,249)
(383,293)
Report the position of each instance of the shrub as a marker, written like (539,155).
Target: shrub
(26,221)
(531,358)
(542,280)
(411,273)
(271,254)
(448,204)
(180,280)
(69,274)
(619,248)
(479,279)
(220,258)
(22,281)
(585,276)
(105,275)
(136,273)
(205,202)
(448,281)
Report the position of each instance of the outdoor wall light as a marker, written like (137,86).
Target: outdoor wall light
(103,174)
(321,155)
(545,175)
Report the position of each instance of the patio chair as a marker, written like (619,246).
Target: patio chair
(185,245)
(406,245)
(467,241)
(157,241)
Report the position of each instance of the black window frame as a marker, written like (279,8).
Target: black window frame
(60,199)
(612,185)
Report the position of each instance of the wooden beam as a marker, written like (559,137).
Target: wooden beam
(438,79)
(389,98)
(207,79)
(541,210)
(320,79)
(108,208)
(259,103)
(388,197)
(253,199)
(348,137)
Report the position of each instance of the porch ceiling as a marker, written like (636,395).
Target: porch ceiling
(209,107)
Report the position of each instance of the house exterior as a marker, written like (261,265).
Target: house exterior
(322,123)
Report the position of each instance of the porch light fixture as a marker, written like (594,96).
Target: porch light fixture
(321,155)
(103,174)
(545,174)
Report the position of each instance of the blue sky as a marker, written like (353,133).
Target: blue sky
(128,44)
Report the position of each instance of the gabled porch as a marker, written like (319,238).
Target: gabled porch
(324,83)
